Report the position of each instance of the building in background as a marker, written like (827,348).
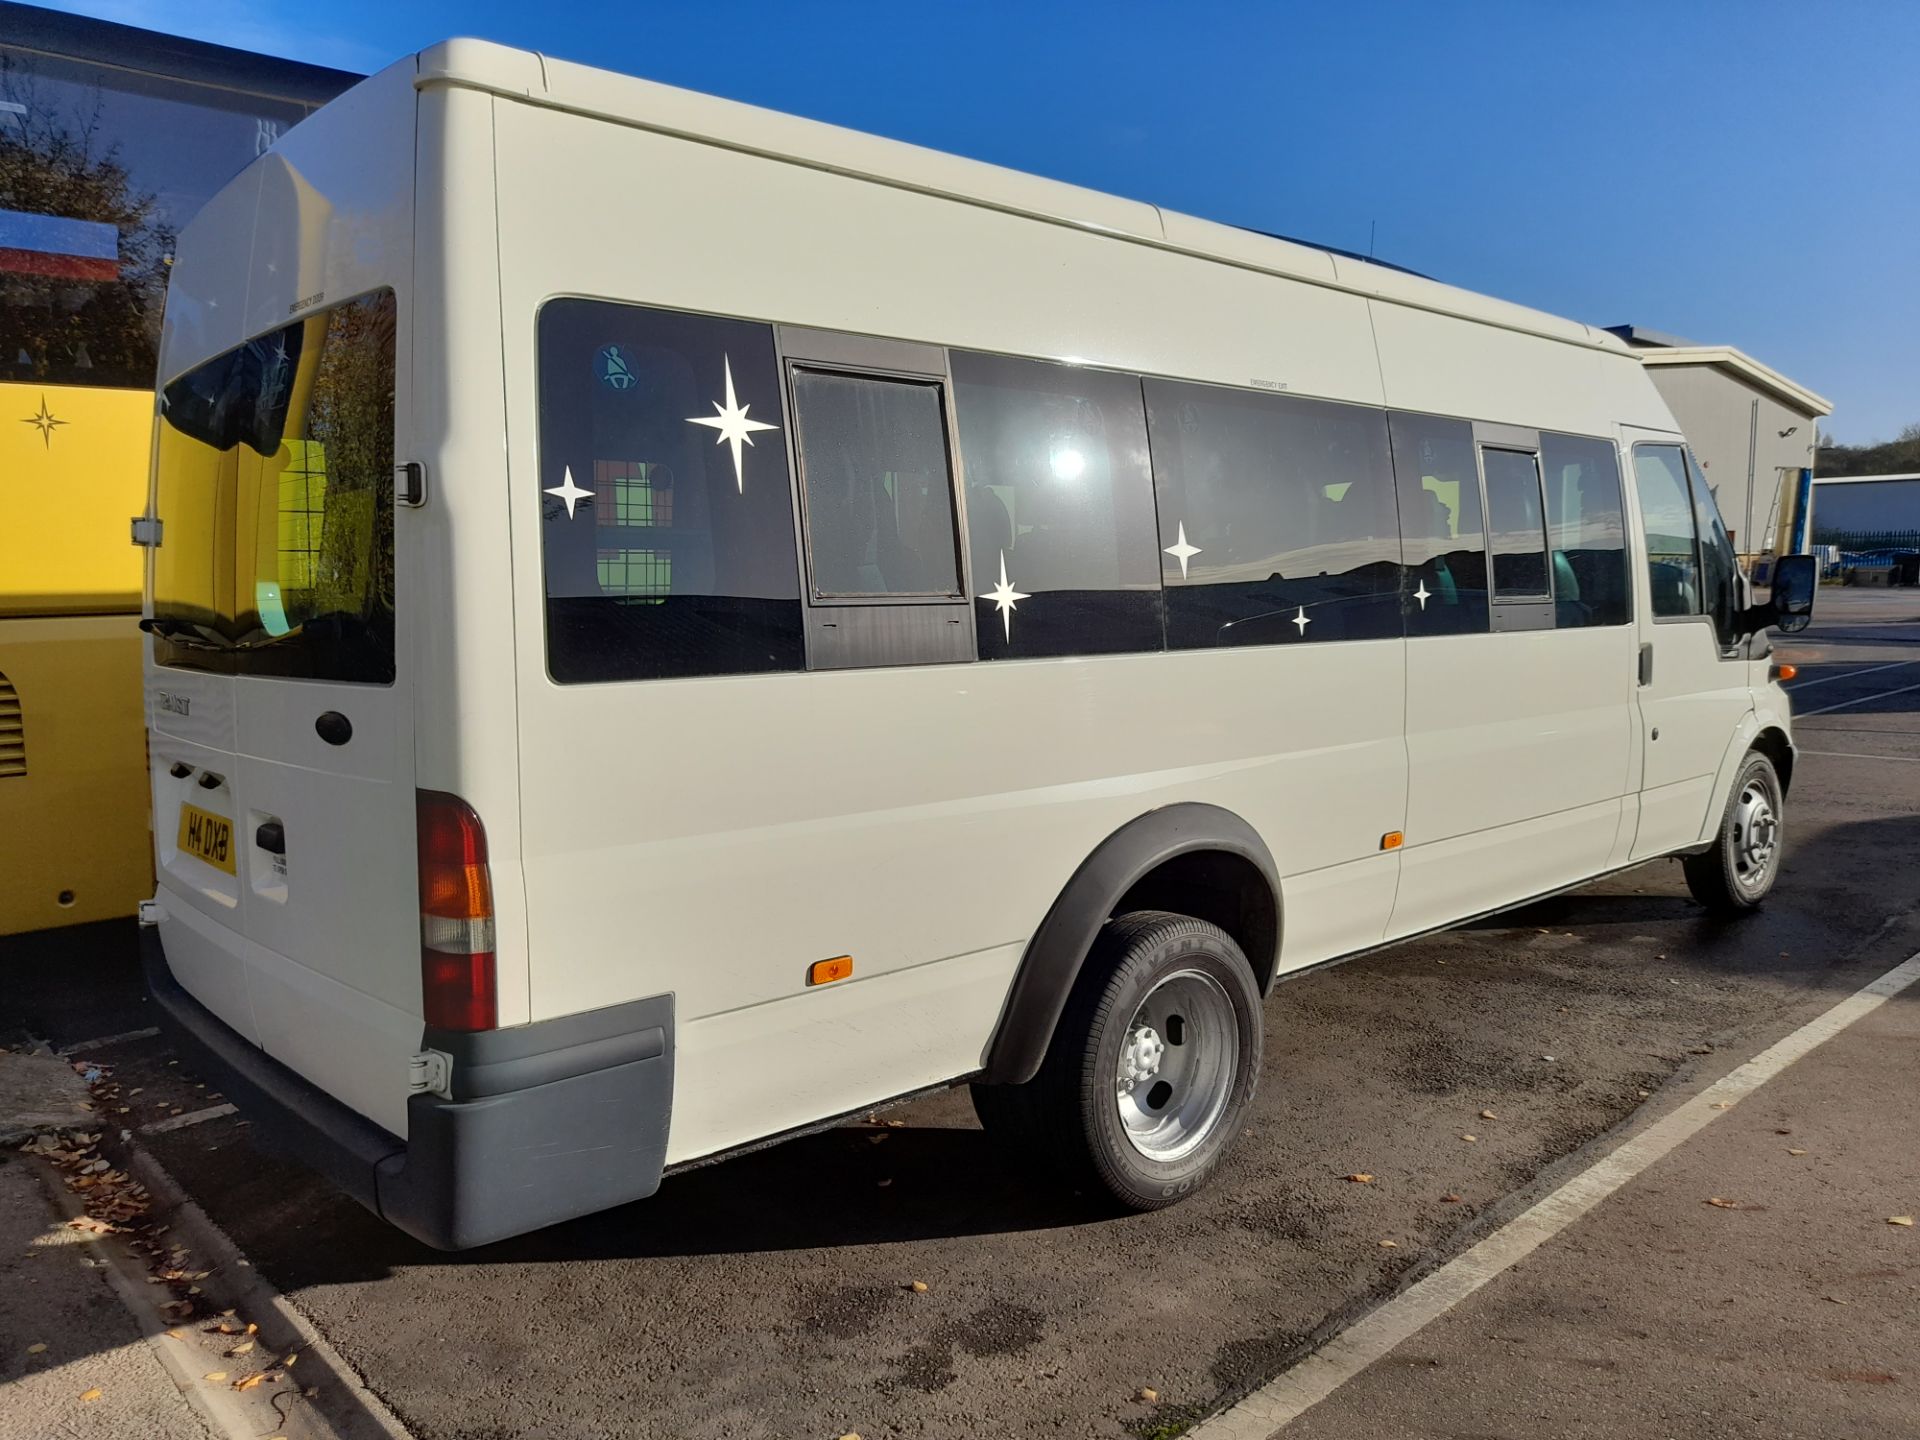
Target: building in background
(1862,512)
(1751,428)
(111,138)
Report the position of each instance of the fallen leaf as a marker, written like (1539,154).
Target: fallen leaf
(251,1327)
(1836,1300)
(1793,1150)
(1720,1204)
(919,1287)
(851,1435)
(1389,1244)
(882,1184)
(1723,1105)
(176,1335)
(247,1382)
(93,1394)
(1783,1132)
(896,1124)
(214,1375)
(39,1347)
(1700,1050)
(1148,1394)
(1546,1057)
(243,1348)
(1450,1199)
(1361,1178)
(1900,1220)
(1471,1139)
(291,1357)
(1488,1115)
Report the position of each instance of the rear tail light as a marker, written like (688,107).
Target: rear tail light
(456,916)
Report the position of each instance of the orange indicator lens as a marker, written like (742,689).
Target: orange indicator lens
(825,972)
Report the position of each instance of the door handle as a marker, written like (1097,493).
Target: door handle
(1646,662)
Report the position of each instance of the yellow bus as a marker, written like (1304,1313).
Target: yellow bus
(111,139)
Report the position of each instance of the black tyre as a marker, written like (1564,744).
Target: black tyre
(1735,875)
(1152,1067)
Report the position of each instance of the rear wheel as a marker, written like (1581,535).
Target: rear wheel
(1152,1067)
(1735,875)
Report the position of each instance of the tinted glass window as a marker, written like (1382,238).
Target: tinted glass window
(665,499)
(1587,531)
(1516,524)
(1666,520)
(274,488)
(1441,532)
(879,503)
(99,169)
(1060,491)
(1719,570)
(1277,517)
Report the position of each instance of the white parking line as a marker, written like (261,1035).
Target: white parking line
(1278,1403)
(1856,755)
(1800,685)
(192,1117)
(1877,695)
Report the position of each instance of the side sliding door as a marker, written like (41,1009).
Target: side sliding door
(1519,663)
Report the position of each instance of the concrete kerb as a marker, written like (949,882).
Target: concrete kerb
(344,1408)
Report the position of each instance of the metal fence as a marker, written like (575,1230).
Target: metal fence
(1863,541)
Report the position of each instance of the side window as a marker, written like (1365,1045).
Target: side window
(1441,533)
(1666,521)
(666,502)
(879,498)
(1060,516)
(1277,518)
(1719,570)
(1586,530)
(1516,524)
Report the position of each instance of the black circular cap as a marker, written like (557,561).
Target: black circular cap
(334,728)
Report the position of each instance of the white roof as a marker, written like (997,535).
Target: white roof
(1740,364)
(1862,479)
(528,76)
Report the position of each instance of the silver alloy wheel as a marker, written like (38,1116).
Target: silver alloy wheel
(1177,1065)
(1756,833)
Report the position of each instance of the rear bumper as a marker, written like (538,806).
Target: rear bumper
(547,1121)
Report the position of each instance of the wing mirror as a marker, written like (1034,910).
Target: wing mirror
(1795,579)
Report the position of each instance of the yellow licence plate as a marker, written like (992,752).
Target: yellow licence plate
(210,837)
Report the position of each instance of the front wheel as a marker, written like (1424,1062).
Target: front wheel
(1151,1070)
(1735,875)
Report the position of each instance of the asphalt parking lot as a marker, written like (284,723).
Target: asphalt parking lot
(1467,1074)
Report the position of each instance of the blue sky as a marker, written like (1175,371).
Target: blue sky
(1741,172)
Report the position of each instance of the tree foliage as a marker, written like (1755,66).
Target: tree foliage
(1900,456)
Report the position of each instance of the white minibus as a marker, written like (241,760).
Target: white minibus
(672,625)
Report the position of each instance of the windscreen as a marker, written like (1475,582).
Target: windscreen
(274,489)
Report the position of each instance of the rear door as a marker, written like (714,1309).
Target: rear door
(1693,679)
(281,699)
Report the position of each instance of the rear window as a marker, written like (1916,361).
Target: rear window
(274,489)
(665,497)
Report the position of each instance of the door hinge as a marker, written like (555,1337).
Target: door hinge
(430,1072)
(146,530)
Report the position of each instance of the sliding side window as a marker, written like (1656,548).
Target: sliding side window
(1277,517)
(1442,535)
(1516,527)
(1059,508)
(884,574)
(665,500)
(1587,531)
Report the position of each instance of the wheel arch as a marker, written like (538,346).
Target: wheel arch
(1192,858)
(1774,743)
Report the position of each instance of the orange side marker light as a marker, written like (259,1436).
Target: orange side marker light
(825,972)
(1786,672)
(1392,840)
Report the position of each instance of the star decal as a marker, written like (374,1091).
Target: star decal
(1302,620)
(45,421)
(1423,594)
(732,423)
(569,492)
(1181,550)
(1003,597)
